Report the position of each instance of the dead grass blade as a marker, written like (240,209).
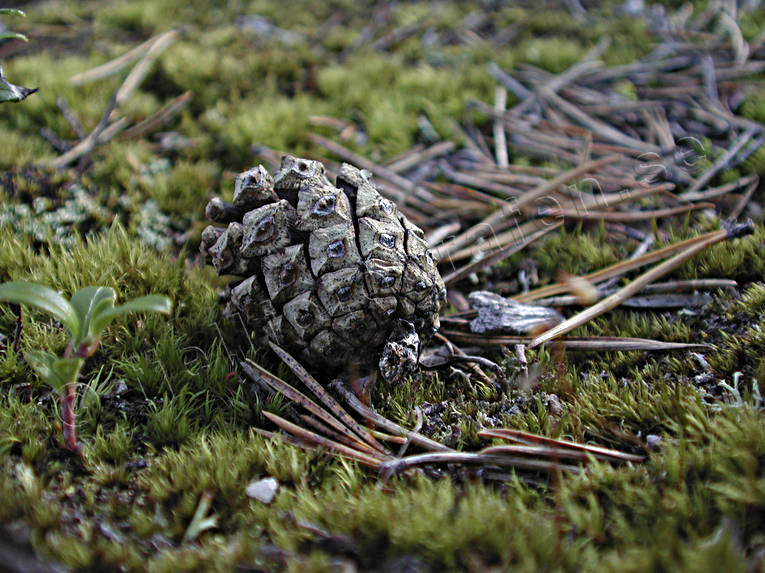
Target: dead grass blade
(387,425)
(139,71)
(393,467)
(325,397)
(257,372)
(115,65)
(414,159)
(536,439)
(497,256)
(313,438)
(616,270)
(491,223)
(630,216)
(588,343)
(165,114)
(87,145)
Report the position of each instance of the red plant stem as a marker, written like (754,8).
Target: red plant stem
(67,410)
(70,393)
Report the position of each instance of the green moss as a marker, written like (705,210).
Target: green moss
(575,252)
(184,190)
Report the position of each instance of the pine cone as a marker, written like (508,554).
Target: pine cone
(329,271)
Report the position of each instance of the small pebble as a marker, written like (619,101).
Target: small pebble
(653,442)
(263,490)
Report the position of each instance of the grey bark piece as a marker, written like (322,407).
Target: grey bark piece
(496,313)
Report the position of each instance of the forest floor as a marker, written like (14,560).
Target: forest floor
(147,109)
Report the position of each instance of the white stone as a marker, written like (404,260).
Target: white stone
(263,490)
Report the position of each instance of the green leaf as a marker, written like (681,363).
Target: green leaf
(149,303)
(56,372)
(89,301)
(41,362)
(44,298)
(12,12)
(68,369)
(10,92)
(13,36)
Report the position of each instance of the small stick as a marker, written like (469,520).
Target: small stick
(586,343)
(396,466)
(600,128)
(742,202)
(501,239)
(721,162)
(604,201)
(112,66)
(335,435)
(615,270)
(474,362)
(529,439)
(314,438)
(436,150)
(139,71)
(629,216)
(497,256)
(390,427)
(473,181)
(656,288)
(721,190)
(500,143)
(519,90)
(86,145)
(159,118)
(255,372)
(325,397)
(71,118)
(439,234)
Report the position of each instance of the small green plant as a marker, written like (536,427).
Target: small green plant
(90,310)
(8,91)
